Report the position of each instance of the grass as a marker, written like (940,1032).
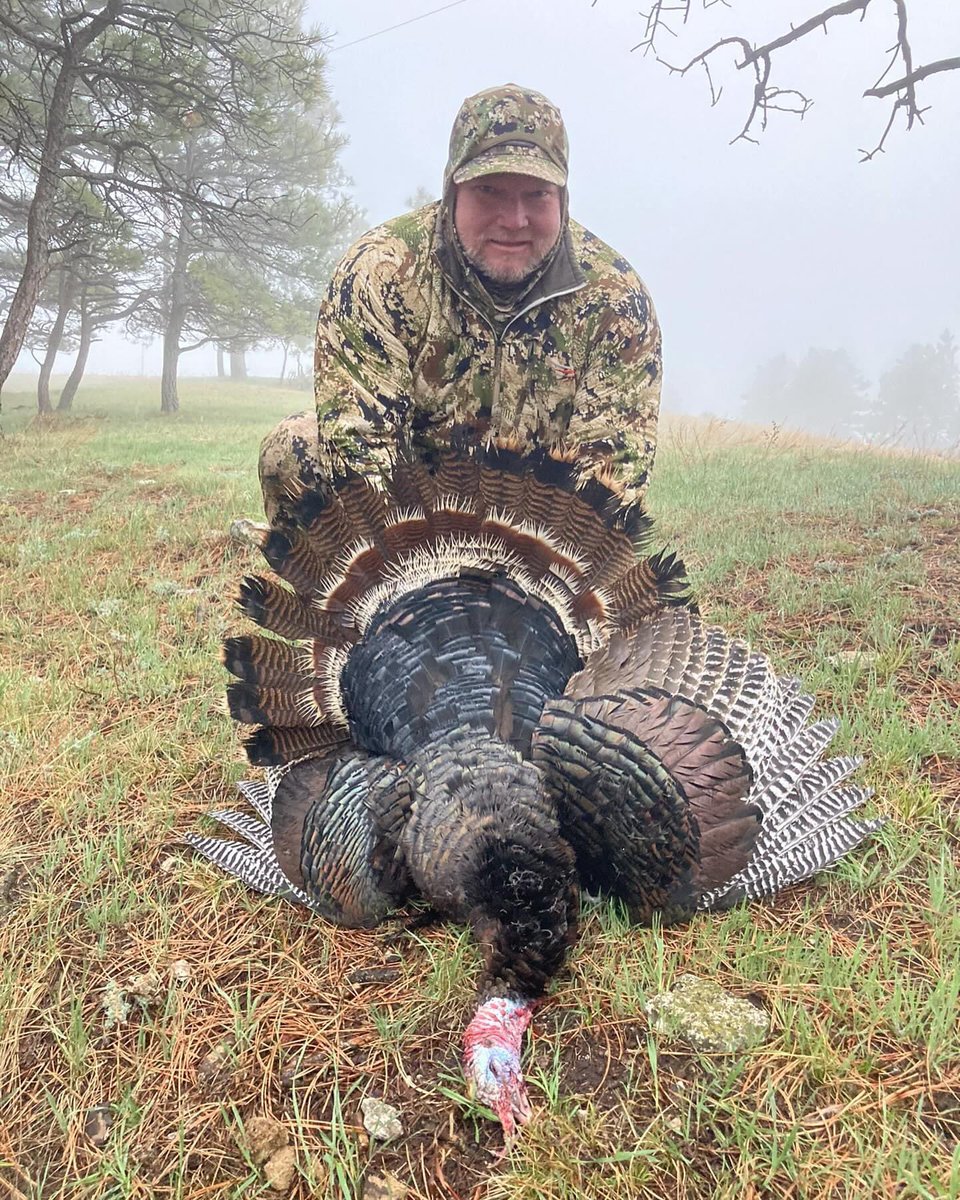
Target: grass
(117,576)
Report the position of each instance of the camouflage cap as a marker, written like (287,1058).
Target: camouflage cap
(510,129)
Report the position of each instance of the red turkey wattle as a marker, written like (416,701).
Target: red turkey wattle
(492,1045)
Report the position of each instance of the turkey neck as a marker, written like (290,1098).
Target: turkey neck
(484,846)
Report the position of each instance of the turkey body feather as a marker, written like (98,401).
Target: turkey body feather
(489,694)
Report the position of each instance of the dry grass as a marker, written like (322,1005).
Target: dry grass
(117,576)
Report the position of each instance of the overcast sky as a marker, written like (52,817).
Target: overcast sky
(747,250)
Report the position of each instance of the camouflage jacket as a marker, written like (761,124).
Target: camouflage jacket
(409,339)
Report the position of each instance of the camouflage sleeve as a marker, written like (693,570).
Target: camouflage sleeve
(362,375)
(617,403)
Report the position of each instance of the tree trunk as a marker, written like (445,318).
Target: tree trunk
(86,337)
(176,315)
(283,369)
(169,397)
(64,304)
(238,363)
(221,372)
(40,216)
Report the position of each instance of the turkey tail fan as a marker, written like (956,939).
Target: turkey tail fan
(324,835)
(348,548)
(348,508)
(565,534)
(805,822)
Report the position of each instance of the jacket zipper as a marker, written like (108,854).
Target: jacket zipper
(498,339)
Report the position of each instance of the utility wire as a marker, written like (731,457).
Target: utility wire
(390,28)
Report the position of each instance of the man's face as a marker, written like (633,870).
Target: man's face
(507,223)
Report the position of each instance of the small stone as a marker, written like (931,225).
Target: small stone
(146,987)
(384,1187)
(263,1137)
(381,1121)
(106,608)
(248,533)
(97,1124)
(701,1013)
(216,1066)
(10,882)
(180,971)
(865,658)
(280,1169)
(114,1004)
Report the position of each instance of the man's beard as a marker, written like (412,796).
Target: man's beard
(505,273)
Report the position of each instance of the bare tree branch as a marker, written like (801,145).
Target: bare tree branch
(944,64)
(664,15)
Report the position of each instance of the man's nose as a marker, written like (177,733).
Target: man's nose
(513,213)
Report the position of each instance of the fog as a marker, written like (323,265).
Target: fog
(748,250)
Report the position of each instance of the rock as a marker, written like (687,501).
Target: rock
(248,533)
(170,587)
(381,1121)
(701,1013)
(11,883)
(106,608)
(97,1124)
(365,976)
(263,1137)
(180,971)
(114,1004)
(384,1187)
(147,987)
(280,1169)
(216,1066)
(865,658)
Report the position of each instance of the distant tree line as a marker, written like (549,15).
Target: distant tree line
(169,169)
(916,402)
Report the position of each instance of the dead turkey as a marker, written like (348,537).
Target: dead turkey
(487,694)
